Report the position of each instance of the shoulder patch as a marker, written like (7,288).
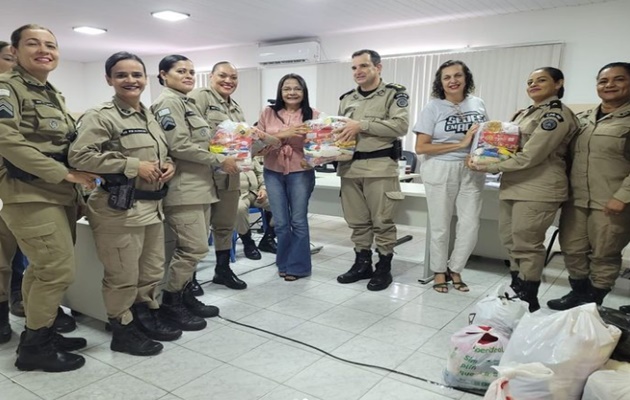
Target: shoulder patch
(399,88)
(549,124)
(6,109)
(345,94)
(168,123)
(555,104)
(555,115)
(163,112)
(5,92)
(402,99)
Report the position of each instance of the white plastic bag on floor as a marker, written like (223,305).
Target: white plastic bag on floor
(572,343)
(609,383)
(530,381)
(474,351)
(501,311)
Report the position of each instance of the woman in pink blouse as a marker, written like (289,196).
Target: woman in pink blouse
(289,183)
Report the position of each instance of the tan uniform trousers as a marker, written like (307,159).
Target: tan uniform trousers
(45,233)
(8,247)
(522,228)
(134,266)
(592,242)
(242,215)
(189,224)
(223,218)
(369,206)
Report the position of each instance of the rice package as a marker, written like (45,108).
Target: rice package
(234,139)
(495,141)
(321,145)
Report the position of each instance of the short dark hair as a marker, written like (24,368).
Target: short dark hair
(167,63)
(214,67)
(617,64)
(17,34)
(121,56)
(3,44)
(438,89)
(307,111)
(374,56)
(556,75)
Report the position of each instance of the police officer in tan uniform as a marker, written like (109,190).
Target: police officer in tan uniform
(595,222)
(192,190)
(122,141)
(253,194)
(534,181)
(370,191)
(39,194)
(216,105)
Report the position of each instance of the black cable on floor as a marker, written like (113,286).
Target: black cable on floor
(354,362)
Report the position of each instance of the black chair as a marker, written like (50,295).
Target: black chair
(412,162)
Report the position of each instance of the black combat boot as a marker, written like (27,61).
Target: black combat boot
(195,286)
(516,282)
(131,340)
(197,307)
(150,322)
(578,295)
(361,269)
(60,342)
(5,326)
(249,246)
(174,313)
(382,276)
(223,274)
(625,309)
(596,295)
(529,293)
(64,323)
(268,241)
(17,304)
(37,351)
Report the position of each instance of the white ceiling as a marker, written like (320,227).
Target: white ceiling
(215,24)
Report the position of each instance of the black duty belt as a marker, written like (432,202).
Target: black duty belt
(144,194)
(366,155)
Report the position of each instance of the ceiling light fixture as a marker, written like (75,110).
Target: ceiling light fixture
(170,15)
(88,30)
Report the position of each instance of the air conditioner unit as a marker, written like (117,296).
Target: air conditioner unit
(288,53)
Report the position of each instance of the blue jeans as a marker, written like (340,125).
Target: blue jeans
(18,266)
(288,197)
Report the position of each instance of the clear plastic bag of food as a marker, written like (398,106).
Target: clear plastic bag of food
(321,145)
(494,141)
(234,139)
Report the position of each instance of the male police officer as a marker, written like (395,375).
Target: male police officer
(377,117)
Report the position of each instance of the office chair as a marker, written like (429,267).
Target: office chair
(252,210)
(412,161)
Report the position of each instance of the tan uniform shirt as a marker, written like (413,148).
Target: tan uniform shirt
(216,110)
(34,120)
(538,171)
(112,139)
(252,181)
(188,135)
(384,117)
(600,155)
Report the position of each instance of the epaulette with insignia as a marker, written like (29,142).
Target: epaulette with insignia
(396,86)
(555,104)
(345,94)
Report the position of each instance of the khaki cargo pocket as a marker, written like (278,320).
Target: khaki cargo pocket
(51,121)
(390,204)
(40,241)
(116,253)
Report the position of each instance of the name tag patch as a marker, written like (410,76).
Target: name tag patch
(135,131)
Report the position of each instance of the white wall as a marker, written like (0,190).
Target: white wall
(594,35)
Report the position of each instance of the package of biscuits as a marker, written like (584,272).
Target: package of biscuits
(494,141)
(234,139)
(321,144)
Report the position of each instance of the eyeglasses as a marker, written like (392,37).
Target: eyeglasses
(294,89)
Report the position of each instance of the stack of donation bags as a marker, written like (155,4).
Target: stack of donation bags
(516,355)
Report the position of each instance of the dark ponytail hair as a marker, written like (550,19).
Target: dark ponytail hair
(556,75)
(167,63)
(121,56)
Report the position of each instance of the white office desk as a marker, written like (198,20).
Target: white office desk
(412,211)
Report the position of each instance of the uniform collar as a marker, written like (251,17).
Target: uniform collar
(30,79)
(125,109)
(546,102)
(622,111)
(230,102)
(175,93)
(379,88)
